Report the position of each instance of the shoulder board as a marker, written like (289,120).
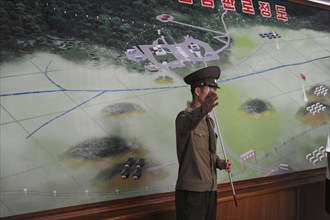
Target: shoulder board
(189,109)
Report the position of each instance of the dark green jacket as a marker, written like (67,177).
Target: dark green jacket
(197,164)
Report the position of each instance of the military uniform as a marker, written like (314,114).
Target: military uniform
(196,186)
(197,163)
(327,178)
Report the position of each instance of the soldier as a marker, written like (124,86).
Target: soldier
(327,178)
(196,186)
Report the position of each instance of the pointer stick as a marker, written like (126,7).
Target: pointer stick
(225,156)
(305,97)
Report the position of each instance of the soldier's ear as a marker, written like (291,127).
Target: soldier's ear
(197,91)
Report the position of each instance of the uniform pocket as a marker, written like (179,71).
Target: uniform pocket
(200,139)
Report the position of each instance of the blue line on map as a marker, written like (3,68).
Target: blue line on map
(64,113)
(158,88)
(101,92)
(31,92)
(93,90)
(46,74)
(271,69)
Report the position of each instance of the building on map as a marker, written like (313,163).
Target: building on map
(131,51)
(164,17)
(139,57)
(159,51)
(194,47)
(152,67)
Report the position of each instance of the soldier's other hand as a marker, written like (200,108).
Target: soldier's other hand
(225,165)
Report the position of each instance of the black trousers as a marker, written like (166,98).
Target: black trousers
(327,195)
(195,205)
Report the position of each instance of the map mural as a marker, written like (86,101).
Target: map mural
(90,92)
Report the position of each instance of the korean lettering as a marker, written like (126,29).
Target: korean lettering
(281,13)
(186,1)
(264,8)
(228,5)
(247,6)
(208,3)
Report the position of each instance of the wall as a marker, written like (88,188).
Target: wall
(73,86)
(298,195)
